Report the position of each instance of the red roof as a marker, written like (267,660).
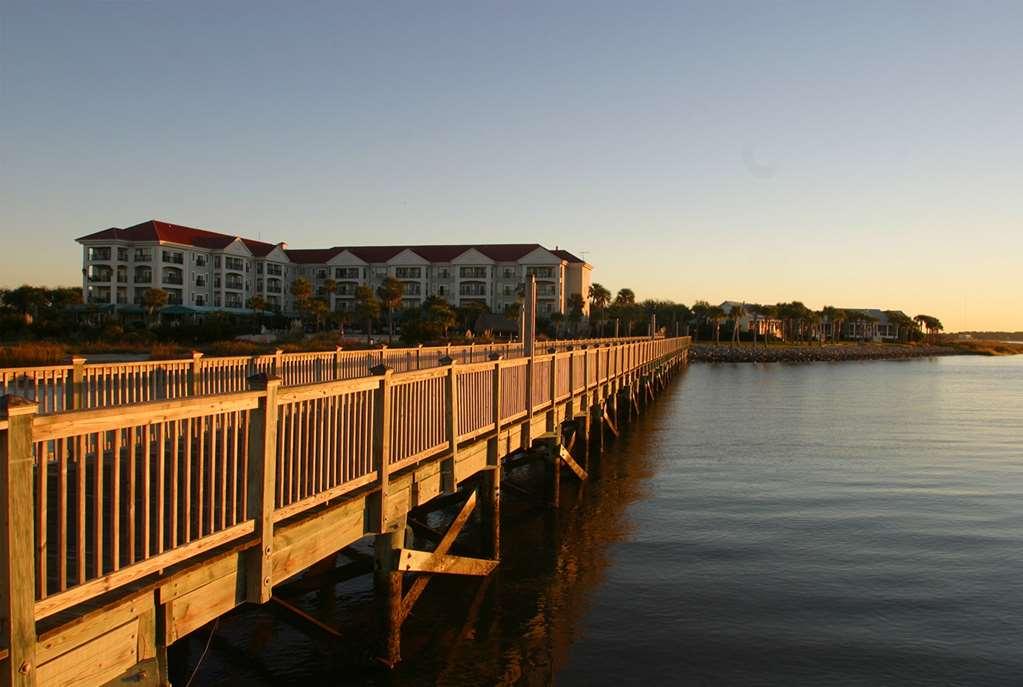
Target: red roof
(155,230)
(498,252)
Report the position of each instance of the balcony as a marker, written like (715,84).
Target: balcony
(472,289)
(143,276)
(234,284)
(143,255)
(99,253)
(173,258)
(408,272)
(98,275)
(473,273)
(172,276)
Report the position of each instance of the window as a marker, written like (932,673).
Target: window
(509,273)
(411,288)
(174,257)
(100,273)
(200,259)
(472,289)
(444,273)
(541,272)
(273,269)
(122,295)
(200,280)
(99,294)
(217,302)
(234,281)
(233,300)
(173,296)
(143,255)
(473,273)
(273,285)
(546,291)
(346,272)
(172,275)
(216,281)
(143,274)
(321,274)
(198,299)
(122,254)
(216,261)
(408,272)
(346,289)
(233,263)
(259,268)
(122,274)
(440,290)
(99,253)
(507,289)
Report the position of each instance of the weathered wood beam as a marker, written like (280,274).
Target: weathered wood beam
(300,620)
(411,560)
(568,460)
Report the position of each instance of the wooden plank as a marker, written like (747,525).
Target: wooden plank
(79,422)
(17,586)
(410,560)
(299,545)
(191,611)
(190,580)
(568,460)
(85,628)
(58,602)
(96,662)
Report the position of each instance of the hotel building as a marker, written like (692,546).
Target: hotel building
(206,270)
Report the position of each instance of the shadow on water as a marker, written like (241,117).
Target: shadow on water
(515,627)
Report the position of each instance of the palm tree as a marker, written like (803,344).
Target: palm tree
(599,297)
(153,300)
(625,297)
(390,293)
(557,319)
(737,312)
(575,310)
(367,308)
(716,315)
(931,323)
(301,291)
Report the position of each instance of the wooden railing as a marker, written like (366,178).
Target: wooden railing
(103,385)
(116,494)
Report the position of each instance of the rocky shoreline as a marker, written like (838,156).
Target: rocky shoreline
(775,353)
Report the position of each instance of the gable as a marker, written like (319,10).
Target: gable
(408,257)
(540,256)
(346,257)
(472,257)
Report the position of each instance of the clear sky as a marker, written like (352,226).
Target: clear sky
(859,154)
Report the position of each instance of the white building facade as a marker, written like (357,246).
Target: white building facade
(207,270)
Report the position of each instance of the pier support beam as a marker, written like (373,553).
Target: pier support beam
(388,586)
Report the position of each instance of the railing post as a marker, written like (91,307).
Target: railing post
(419,356)
(552,415)
(17,574)
(447,466)
(195,387)
(337,362)
(261,485)
(382,440)
(490,489)
(279,363)
(76,389)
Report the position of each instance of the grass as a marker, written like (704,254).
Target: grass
(982,347)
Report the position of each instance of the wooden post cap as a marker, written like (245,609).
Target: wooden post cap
(380,369)
(77,359)
(262,380)
(197,354)
(12,406)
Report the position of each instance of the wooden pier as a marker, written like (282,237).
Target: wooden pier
(152,518)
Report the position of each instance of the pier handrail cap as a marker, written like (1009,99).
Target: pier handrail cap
(261,381)
(13,406)
(381,369)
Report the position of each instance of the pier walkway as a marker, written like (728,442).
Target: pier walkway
(127,524)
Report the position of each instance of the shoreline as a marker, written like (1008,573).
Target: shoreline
(785,353)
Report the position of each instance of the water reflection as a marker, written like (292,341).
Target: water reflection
(515,627)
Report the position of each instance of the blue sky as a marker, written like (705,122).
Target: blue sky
(855,154)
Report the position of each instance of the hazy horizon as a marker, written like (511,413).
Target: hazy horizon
(835,154)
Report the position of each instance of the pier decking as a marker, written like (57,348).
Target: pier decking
(151,518)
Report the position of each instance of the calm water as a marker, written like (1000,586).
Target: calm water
(816,524)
